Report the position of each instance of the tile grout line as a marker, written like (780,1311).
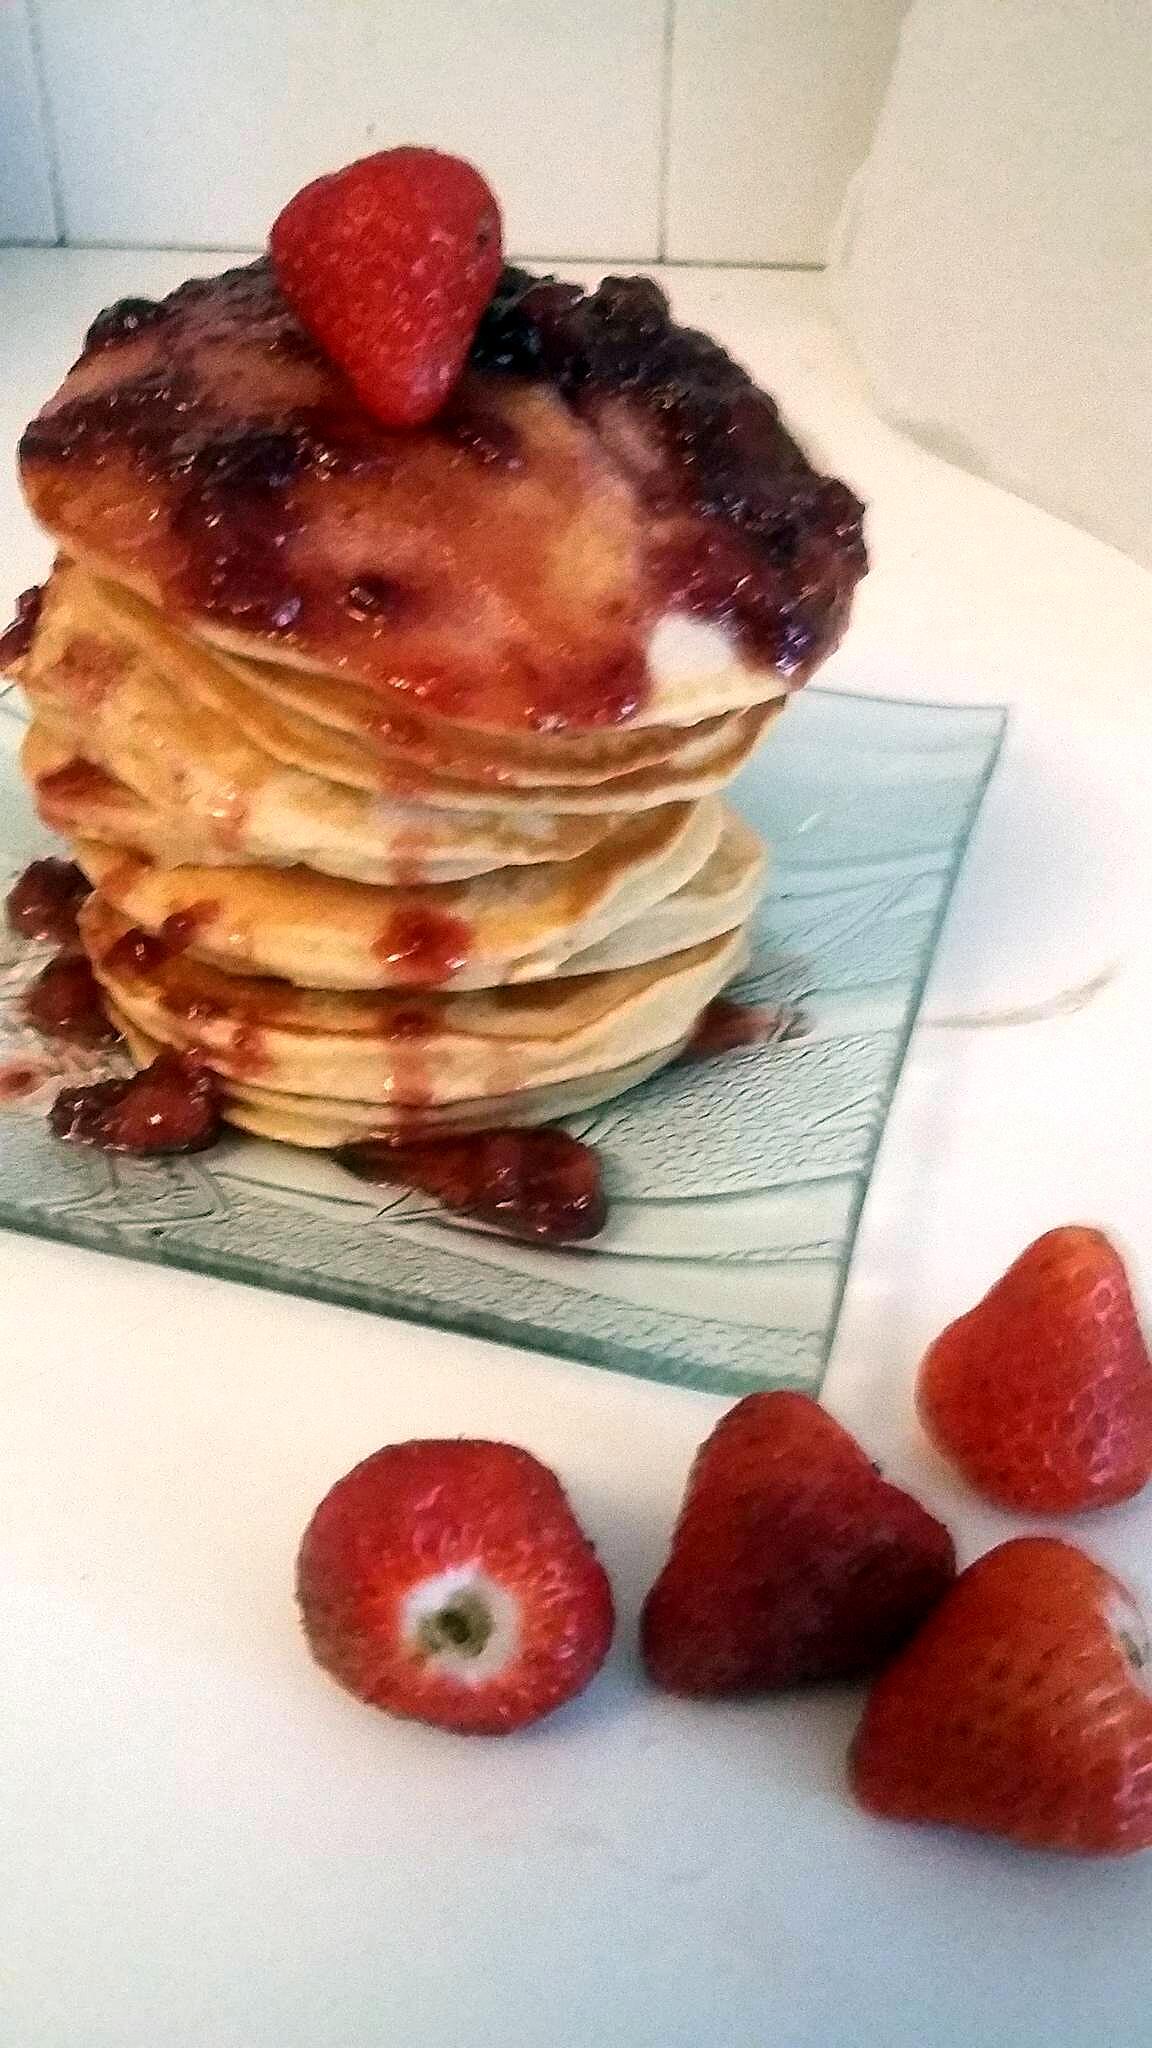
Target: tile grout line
(667,52)
(89,247)
(47,119)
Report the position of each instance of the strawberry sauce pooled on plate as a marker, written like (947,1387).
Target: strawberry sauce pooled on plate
(65,1001)
(542,1185)
(171,1106)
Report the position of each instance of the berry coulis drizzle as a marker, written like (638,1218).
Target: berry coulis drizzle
(739,528)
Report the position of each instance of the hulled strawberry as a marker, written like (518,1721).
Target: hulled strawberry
(792,1558)
(450,1581)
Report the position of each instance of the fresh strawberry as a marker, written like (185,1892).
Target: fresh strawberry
(792,1558)
(450,1581)
(1019,1709)
(389,264)
(1042,1394)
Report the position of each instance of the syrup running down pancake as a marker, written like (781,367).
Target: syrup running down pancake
(404,1058)
(606,525)
(318,932)
(395,757)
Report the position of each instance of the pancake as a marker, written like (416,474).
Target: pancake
(394,757)
(81,801)
(102,652)
(120,712)
(380,746)
(322,1125)
(718,898)
(77,799)
(697,764)
(607,525)
(319,932)
(410,1053)
(521,760)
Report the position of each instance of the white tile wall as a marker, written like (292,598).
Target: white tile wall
(193,120)
(717,130)
(772,106)
(27,212)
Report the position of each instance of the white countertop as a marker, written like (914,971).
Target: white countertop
(202,1843)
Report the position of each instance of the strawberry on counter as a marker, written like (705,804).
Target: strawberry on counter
(1020,1709)
(1042,1394)
(450,1582)
(792,1558)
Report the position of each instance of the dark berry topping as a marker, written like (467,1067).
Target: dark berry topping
(542,1185)
(171,1106)
(767,546)
(379,597)
(122,321)
(43,902)
(16,639)
(66,1001)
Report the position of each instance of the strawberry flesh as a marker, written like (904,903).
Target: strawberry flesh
(451,1583)
(792,1560)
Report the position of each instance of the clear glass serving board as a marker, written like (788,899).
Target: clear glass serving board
(736,1184)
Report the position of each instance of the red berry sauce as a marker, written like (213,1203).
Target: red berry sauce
(726,1026)
(16,639)
(739,528)
(66,1001)
(424,946)
(43,902)
(171,1106)
(21,1078)
(540,1185)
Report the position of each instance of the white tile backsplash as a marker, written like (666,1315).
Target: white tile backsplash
(27,212)
(709,130)
(558,101)
(773,103)
(192,121)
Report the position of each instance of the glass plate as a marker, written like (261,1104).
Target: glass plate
(735,1184)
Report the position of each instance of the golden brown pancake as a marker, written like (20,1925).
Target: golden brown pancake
(101,654)
(320,932)
(406,1051)
(323,1125)
(393,756)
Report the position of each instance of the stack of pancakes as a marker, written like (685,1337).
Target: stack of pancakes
(398,789)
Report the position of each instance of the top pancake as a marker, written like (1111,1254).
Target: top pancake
(527,562)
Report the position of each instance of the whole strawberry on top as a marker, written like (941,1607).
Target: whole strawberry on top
(1042,1394)
(792,1558)
(1020,1709)
(389,264)
(450,1581)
